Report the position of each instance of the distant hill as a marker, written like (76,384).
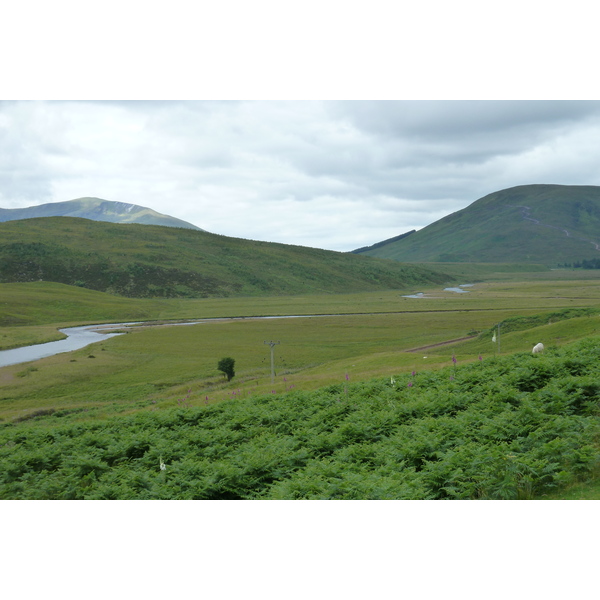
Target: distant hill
(546,224)
(95,209)
(384,243)
(150,261)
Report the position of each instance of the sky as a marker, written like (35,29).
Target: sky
(333,174)
(325,123)
(322,123)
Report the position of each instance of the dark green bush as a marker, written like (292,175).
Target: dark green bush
(227,366)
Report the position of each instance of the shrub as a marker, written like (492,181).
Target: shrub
(226,366)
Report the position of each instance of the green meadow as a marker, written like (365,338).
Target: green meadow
(341,340)
(361,334)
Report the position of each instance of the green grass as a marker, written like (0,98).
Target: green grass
(44,303)
(519,427)
(41,303)
(160,364)
(586,490)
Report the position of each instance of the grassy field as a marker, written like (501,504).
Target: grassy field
(41,303)
(355,338)
(362,335)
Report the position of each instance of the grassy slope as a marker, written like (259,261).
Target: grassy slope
(39,303)
(493,229)
(515,428)
(152,261)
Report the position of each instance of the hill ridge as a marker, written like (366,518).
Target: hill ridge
(151,261)
(95,209)
(487,230)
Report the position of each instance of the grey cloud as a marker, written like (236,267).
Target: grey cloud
(332,174)
(25,156)
(461,132)
(441,148)
(456,119)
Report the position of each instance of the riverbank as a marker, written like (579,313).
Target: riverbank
(76,338)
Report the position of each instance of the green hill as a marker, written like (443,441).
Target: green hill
(552,225)
(95,209)
(153,261)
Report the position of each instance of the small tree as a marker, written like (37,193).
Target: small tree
(226,366)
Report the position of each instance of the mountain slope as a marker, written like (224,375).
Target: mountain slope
(547,224)
(151,261)
(95,209)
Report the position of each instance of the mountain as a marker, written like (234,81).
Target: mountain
(95,209)
(551,225)
(151,261)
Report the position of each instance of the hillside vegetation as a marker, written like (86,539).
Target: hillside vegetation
(516,427)
(153,261)
(546,224)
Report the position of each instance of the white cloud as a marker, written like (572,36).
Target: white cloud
(336,175)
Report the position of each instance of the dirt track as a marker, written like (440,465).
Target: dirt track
(441,344)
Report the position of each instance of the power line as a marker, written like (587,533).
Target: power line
(272,344)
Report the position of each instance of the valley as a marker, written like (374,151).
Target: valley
(393,380)
(364,334)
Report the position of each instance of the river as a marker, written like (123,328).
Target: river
(77,337)
(80,337)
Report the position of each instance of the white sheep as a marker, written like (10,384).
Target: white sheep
(538,348)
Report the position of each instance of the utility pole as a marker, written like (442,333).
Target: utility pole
(499,337)
(272,344)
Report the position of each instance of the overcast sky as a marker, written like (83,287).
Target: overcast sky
(330,174)
(296,122)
